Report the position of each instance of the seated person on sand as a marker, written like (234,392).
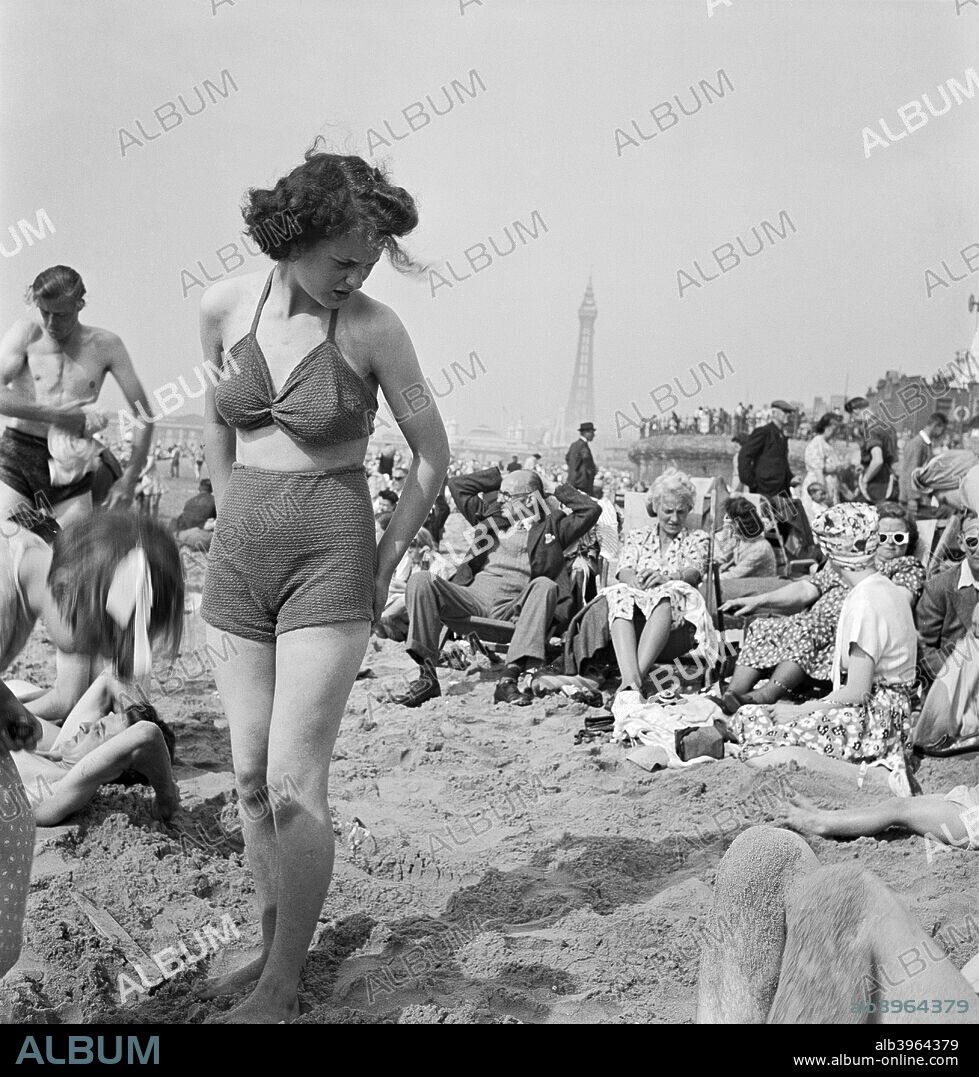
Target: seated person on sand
(867,716)
(516,572)
(110,586)
(789,941)
(101,740)
(788,650)
(948,653)
(655,612)
(421,556)
(747,551)
(191,526)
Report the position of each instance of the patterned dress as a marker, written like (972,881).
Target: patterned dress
(641,552)
(807,638)
(877,618)
(822,464)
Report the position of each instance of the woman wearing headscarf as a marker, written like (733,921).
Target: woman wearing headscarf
(866,719)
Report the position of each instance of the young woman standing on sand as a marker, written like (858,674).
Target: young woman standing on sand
(298,592)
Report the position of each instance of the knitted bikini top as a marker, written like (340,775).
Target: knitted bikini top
(322,402)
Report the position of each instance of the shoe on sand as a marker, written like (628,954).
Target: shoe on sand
(421,690)
(507,692)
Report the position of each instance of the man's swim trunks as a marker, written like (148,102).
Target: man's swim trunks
(24,467)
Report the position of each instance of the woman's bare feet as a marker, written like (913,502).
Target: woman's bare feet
(234,982)
(166,802)
(803,815)
(260,1008)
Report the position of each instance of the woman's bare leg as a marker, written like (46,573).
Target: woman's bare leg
(743,679)
(315,670)
(933,816)
(623,633)
(851,943)
(817,943)
(785,677)
(246,684)
(745,933)
(655,633)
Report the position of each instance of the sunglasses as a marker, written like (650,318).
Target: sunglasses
(897,538)
(505,495)
(970,542)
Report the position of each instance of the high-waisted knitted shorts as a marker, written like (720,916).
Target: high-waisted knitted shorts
(290,550)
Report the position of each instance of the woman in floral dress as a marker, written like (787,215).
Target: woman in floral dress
(867,717)
(790,649)
(822,463)
(655,611)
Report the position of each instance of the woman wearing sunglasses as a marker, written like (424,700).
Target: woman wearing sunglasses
(791,650)
(866,719)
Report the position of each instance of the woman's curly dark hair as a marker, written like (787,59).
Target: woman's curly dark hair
(328,196)
(744,516)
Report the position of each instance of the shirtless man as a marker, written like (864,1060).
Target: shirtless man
(51,368)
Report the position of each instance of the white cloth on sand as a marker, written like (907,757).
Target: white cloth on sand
(653,723)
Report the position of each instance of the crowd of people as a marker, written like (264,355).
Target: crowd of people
(545,568)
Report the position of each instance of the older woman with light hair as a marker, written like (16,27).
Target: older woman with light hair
(655,612)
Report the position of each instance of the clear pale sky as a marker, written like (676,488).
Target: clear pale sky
(838,302)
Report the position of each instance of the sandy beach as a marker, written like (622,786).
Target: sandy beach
(506,873)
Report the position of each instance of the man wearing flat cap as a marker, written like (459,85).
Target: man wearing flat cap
(581,464)
(763,462)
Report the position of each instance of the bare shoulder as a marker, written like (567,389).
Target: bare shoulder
(374,327)
(24,331)
(222,300)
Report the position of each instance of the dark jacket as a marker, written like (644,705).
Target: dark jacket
(944,615)
(581,466)
(485,514)
(763,463)
(884,485)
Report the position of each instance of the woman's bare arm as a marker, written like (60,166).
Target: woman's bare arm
(219,438)
(400,377)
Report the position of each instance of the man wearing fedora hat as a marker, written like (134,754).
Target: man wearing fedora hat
(581,463)
(763,462)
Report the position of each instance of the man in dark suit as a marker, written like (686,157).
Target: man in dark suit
(948,650)
(515,571)
(581,464)
(763,463)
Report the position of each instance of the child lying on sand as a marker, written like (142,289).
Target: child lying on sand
(952,819)
(97,745)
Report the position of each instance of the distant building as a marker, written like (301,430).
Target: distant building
(906,401)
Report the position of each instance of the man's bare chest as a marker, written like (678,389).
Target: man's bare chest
(65,375)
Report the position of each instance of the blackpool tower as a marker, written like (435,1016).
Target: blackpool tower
(581,399)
